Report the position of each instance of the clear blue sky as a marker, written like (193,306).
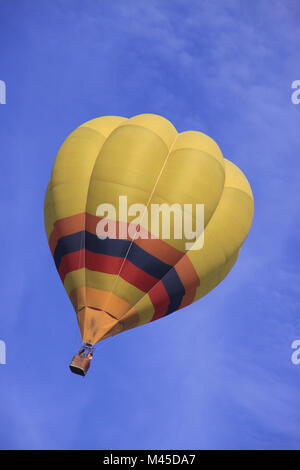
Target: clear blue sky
(218,374)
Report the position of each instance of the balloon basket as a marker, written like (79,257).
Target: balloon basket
(81,362)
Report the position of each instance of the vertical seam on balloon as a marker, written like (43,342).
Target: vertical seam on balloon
(148,202)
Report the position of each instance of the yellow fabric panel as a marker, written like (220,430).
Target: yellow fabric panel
(157,124)
(199,141)
(108,192)
(211,280)
(49,216)
(145,310)
(71,174)
(229,226)
(67,193)
(235,178)
(105,124)
(131,157)
(205,176)
(76,157)
(104,281)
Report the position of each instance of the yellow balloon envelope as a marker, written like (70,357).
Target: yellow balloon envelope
(120,282)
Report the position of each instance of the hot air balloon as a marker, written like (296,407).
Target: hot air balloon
(134,275)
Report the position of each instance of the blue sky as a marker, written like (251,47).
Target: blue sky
(218,374)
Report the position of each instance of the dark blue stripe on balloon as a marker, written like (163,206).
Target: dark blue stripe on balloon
(175,289)
(68,244)
(111,247)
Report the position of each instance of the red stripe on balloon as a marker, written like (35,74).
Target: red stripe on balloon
(160,300)
(108,265)
(71,262)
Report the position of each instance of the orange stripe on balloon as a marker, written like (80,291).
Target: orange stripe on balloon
(189,279)
(64,227)
(97,298)
(188,298)
(187,273)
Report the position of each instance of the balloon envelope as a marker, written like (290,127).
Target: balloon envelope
(138,275)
